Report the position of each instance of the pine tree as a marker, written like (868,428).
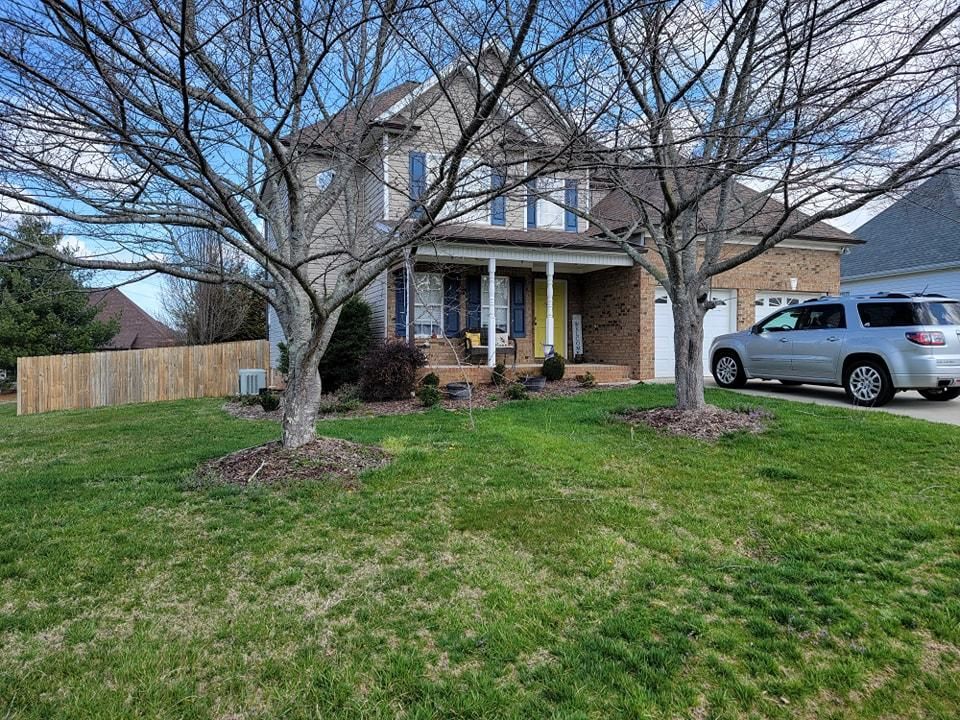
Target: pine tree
(43,306)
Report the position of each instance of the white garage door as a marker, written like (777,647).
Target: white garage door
(722,319)
(769,302)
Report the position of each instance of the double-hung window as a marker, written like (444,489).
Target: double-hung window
(428,307)
(501,302)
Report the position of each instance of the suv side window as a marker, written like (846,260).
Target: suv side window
(886,314)
(784,320)
(823,317)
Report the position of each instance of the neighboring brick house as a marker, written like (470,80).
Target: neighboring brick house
(605,309)
(138,330)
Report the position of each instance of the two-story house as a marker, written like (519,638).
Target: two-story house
(529,267)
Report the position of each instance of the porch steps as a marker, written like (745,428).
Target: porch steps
(481,374)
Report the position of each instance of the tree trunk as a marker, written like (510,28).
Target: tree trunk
(307,341)
(301,398)
(688,352)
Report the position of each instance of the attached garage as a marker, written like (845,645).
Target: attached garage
(769,302)
(719,321)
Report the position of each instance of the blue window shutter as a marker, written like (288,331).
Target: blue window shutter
(518,300)
(400,290)
(570,218)
(418,179)
(532,203)
(498,206)
(473,302)
(451,305)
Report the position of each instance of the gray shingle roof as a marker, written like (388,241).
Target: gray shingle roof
(751,212)
(920,230)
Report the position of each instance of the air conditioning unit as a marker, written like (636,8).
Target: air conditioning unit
(252,381)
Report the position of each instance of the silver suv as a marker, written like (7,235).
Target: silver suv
(871,345)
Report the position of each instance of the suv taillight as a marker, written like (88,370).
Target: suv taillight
(926,337)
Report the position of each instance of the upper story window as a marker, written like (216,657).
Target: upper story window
(546,199)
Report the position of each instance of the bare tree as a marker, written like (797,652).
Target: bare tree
(204,313)
(262,123)
(733,126)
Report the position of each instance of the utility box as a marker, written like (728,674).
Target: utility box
(252,381)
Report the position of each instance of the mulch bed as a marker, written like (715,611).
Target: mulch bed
(326,459)
(710,423)
(484,396)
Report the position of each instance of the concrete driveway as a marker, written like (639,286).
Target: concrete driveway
(906,403)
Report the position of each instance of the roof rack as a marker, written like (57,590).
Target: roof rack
(899,295)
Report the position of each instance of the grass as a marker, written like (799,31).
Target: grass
(551,563)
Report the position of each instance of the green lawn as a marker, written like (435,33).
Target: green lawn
(549,563)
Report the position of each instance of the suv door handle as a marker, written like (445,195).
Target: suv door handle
(784,340)
(832,339)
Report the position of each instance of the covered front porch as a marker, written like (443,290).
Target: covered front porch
(544,300)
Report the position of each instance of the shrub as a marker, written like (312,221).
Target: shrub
(348,345)
(516,391)
(587,380)
(346,399)
(269,401)
(499,375)
(431,380)
(553,368)
(429,395)
(389,371)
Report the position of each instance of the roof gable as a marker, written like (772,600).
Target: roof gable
(137,328)
(387,109)
(920,230)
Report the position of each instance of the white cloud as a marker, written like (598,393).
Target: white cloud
(13,209)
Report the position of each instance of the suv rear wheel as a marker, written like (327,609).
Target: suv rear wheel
(868,383)
(728,370)
(942,394)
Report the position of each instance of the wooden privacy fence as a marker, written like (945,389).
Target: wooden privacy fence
(62,382)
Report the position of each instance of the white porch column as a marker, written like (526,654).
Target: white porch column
(492,312)
(548,331)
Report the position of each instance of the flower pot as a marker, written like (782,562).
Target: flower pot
(459,390)
(534,383)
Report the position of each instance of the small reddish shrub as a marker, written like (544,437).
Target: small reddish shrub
(390,371)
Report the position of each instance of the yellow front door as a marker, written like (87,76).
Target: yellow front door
(559,316)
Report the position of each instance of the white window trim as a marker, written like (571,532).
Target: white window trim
(545,208)
(440,316)
(480,215)
(484,309)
